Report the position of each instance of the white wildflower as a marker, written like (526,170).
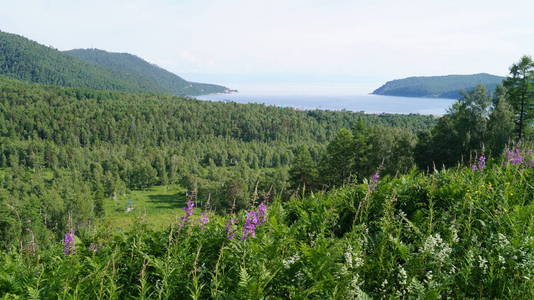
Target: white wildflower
(428,276)
(290,261)
(352,259)
(483,264)
(436,247)
(403,277)
(503,241)
(454,234)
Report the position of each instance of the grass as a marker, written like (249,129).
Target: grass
(158,206)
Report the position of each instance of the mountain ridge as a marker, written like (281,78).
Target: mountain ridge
(28,60)
(134,68)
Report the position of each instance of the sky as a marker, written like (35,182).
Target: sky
(281,44)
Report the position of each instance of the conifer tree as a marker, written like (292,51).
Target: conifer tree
(520,86)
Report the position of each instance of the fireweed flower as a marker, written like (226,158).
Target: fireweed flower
(203,220)
(250,225)
(69,243)
(262,213)
(374,181)
(480,164)
(514,157)
(230,233)
(188,209)
(253,219)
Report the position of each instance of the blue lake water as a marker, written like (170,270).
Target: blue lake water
(366,103)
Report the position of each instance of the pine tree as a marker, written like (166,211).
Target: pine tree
(520,86)
(500,124)
(303,173)
(338,163)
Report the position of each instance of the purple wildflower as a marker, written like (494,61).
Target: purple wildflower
(480,165)
(250,225)
(188,209)
(203,220)
(514,157)
(374,181)
(375,178)
(230,234)
(69,243)
(262,213)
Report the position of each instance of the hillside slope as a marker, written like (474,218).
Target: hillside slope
(448,86)
(23,59)
(148,76)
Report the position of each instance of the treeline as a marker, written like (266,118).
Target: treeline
(83,117)
(65,151)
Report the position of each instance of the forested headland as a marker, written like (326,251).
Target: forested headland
(449,86)
(274,202)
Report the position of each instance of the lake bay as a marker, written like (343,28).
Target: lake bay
(367,103)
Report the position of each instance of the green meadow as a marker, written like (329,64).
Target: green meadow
(157,206)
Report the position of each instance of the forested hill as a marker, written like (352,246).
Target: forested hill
(150,77)
(23,59)
(448,86)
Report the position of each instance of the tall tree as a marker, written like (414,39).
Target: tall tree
(521,92)
(361,147)
(338,162)
(500,123)
(303,173)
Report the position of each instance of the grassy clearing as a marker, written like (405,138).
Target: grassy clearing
(158,206)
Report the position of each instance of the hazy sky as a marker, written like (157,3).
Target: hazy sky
(275,42)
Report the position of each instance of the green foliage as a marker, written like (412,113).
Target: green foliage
(520,89)
(450,86)
(303,174)
(149,77)
(475,125)
(455,233)
(27,60)
(500,123)
(355,155)
(338,162)
(70,151)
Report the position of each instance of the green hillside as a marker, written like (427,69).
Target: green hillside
(449,86)
(23,59)
(150,77)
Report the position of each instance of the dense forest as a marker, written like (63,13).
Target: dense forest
(105,142)
(23,59)
(450,86)
(278,202)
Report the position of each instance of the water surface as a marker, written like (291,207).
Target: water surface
(357,103)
